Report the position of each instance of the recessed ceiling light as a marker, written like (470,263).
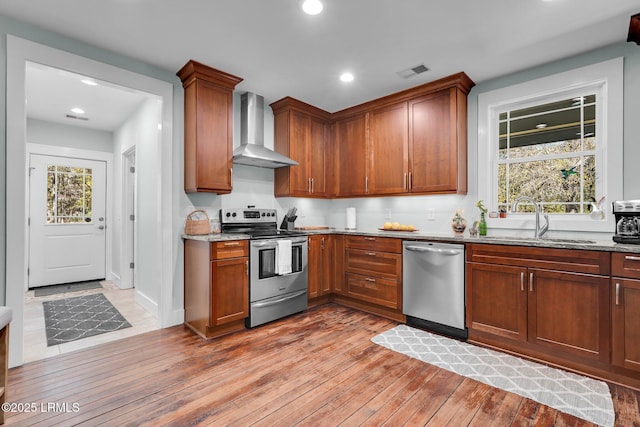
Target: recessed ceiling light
(541,125)
(312,7)
(89,82)
(77,110)
(346,77)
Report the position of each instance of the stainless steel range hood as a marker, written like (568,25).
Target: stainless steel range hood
(252,151)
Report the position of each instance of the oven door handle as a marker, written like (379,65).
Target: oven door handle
(263,243)
(278,301)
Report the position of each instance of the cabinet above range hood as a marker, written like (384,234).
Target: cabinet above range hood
(252,151)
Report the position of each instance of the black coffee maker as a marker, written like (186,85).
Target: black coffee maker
(627,213)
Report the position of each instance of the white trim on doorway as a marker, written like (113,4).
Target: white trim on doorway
(19,52)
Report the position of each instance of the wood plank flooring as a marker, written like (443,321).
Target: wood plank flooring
(317,368)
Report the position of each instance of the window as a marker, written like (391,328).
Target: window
(558,140)
(548,152)
(68,194)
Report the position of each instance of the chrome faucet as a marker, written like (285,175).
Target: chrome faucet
(539,231)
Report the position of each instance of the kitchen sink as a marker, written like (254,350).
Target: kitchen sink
(575,241)
(534,240)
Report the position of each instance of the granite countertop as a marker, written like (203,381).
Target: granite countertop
(559,243)
(216,237)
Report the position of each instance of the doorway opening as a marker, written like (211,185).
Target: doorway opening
(148,124)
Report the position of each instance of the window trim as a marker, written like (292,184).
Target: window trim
(609,76)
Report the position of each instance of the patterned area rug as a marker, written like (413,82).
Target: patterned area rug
(567,392)
(74,318)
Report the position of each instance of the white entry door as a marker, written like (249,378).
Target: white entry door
(66,220)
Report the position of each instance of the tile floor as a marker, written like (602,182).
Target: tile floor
(35,338)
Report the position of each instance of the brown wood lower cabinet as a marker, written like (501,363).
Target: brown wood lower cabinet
(625,310)
(373,279)
(216,286)
(320,265)
(552,314)
(556,311)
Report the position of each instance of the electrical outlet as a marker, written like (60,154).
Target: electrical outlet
(431,214)
(387,214)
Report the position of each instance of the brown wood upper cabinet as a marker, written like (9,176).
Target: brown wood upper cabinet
(208,128)
(388,150)
(350,155)
(302,134)
(411,142)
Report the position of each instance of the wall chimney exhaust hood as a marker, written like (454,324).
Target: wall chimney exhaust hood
(252,151)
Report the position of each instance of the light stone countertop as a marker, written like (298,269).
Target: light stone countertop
(582,244)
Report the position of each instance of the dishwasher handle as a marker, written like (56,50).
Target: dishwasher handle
(433,250)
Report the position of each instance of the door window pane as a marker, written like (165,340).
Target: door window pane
(69,195)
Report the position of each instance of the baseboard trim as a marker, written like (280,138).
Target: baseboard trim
(147,303)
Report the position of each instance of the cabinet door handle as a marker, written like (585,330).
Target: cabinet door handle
(366,184)
(410,181)
(370,253)
(312,189)
(530,282)
(322,243)
(309,185)
(522,280)
(617,293)
(632,258)
(404,182)
(246,267)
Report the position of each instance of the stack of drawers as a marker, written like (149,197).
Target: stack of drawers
(374,270)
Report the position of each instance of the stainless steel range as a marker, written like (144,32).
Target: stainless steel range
(278,277)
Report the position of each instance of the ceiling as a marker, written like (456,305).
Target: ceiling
(280,51)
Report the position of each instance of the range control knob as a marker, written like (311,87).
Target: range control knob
(233,214)
(228,214)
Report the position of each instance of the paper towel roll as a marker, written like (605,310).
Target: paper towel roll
(351,218)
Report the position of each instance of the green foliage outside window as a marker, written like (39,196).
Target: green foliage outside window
(68,194)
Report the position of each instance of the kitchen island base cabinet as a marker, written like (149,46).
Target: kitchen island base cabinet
(216,286)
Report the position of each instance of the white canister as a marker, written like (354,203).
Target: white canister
(351,219)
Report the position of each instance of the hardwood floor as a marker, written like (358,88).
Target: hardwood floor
(35,336)
(314,368)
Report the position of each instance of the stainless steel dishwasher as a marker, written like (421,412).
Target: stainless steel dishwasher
(433,287)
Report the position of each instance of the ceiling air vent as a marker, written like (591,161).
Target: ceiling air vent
(71,116)
(410,72)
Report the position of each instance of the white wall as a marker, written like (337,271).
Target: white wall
(140,130)
(60,135)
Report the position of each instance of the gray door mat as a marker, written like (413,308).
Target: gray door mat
(67,287)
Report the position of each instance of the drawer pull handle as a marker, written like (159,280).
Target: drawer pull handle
(232,244)
(617,293)
(371,253)
(530,282)
(522,280)
(369,279)
(632,258)
(370,238)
